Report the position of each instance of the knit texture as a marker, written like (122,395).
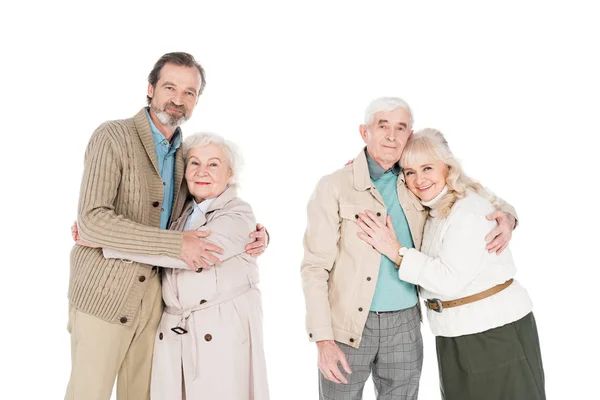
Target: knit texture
(120,203)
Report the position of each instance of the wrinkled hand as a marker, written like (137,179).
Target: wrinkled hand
(196,252)
(258,246)
(381,237)
(78,240)
(330,355)
(500,236)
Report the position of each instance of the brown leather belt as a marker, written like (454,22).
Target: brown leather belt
(437,305)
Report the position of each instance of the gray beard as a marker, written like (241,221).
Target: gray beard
(167,119)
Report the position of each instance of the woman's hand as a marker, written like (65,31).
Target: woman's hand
(381,237)
(78,240)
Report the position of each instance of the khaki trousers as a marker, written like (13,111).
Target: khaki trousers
(102,350)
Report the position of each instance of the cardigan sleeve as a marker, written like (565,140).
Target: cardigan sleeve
(97,219)
(462,256)
(230,230)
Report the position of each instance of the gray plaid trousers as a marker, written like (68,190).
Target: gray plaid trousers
(392,349)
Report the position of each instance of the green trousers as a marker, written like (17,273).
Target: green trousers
(503,363)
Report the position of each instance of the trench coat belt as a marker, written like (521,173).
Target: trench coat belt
(185,314)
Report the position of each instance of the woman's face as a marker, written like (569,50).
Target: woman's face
(207,172)
(426,180)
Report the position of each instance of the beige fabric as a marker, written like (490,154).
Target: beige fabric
(231,363)
(102,350)
(339,270)
(119,207)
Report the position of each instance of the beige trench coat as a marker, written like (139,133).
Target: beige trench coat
(222,354)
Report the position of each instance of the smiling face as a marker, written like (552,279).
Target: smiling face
(207,172)
(426,179)
(175,94)
(387,135)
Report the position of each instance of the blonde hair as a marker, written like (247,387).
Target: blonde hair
(430,144)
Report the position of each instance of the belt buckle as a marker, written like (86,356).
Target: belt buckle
(437,302)
(179,330)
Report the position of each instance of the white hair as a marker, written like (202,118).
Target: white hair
(386,104)
(232,153)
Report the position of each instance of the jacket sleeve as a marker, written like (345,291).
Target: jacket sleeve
(98,222)
(320,251)
(461,257)
(230,230)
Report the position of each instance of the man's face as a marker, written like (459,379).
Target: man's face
(386,136)
(175,94)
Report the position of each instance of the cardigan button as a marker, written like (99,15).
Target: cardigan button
(160,336)
(123,320)
(208,337)
(142,278)
(155,204)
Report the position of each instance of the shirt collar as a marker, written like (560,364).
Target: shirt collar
(203,205)
(159,138)
(375,170)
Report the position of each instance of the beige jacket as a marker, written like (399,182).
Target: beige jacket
(222,355)
(339,270)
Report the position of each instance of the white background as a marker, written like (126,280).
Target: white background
(513,86)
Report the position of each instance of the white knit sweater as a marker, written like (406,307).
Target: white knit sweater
(454,263)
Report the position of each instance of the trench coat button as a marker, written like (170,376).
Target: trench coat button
(160,336)
(378,214)
(368,278)
(360,309)
(208,337)
(356,216)
(310,335)
(202,301)
(142,278)
(351,340)
(123,320)
(155,204)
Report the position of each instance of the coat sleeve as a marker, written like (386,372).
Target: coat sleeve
(96,216)
(461,257)
(320,251)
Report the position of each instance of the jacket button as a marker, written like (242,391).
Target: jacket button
(123,320)
(379,214)
(368,278)
(202,301)
(208,337)
(351,340)
(155,204)
(142,278)
(359,308)
(160,336)
(356,216)
(310,335)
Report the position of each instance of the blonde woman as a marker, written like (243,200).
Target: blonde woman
(486,336)
(209,343)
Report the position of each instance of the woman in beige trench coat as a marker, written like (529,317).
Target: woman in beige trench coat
(209,344)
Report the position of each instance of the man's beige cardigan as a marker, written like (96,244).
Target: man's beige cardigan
(119,207)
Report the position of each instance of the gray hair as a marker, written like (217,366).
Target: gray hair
(386,104)
(231,151)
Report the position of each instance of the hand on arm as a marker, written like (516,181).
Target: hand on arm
(259,245)
(498,239)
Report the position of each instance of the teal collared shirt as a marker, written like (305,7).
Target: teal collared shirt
(391,293)
(165,153)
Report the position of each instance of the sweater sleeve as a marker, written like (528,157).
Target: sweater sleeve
(461,258)
(98,222)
